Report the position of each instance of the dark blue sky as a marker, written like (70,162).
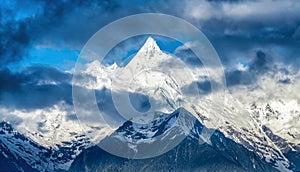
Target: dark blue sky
(40,40)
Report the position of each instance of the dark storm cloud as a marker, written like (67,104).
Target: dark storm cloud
(260,64)
(61,23)
(239,47)
(285,81)
(236,28)
(203,87)
(44,74)
(188,57)
(21,26)
(10,81)
(79,25)
(232,26)
(17,34)
(34,87)
(15,39)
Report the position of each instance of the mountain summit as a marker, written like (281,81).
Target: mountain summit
(150,56)
(150,47)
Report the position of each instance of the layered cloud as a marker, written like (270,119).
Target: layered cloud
(248,36)
(239,28)
(235,28)
(244,10)
(34,88)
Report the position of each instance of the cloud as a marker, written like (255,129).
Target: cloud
(236,28)
(123,52)
(42,74)
(204,88)
(21,26)
(187,55)
(60,24)
(88,18)
(254,11)
(261,64)
(232,26)
(15,38)
(285,81)
(10,81)
(34,87)
(250,76)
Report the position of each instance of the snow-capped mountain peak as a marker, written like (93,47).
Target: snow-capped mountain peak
(150,47)
(168,85)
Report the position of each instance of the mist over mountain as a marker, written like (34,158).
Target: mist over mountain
(151,104)
(242,143)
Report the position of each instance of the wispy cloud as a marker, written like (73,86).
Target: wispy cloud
(254,11)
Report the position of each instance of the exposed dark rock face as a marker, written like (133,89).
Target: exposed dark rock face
(191,154)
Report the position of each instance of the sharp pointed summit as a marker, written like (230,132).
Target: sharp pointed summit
(149,56)
(150,47)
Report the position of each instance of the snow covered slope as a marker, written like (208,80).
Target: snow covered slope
(28,155)
(192,154)
(230,117)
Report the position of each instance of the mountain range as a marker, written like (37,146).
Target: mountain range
(248,137)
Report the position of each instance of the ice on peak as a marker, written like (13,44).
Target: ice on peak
(150,46)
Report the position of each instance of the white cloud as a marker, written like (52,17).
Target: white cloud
(250,10)
(186,46)
(242,67)
(202,10)
(284,99)
(53,125)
